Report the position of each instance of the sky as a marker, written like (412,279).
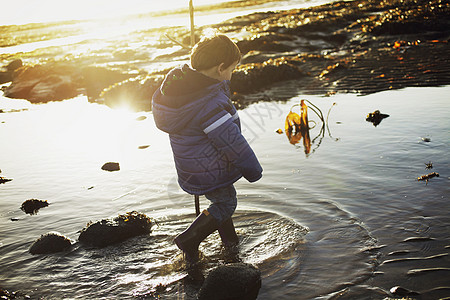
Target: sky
(36,11)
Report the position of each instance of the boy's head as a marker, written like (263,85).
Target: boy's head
(214,51)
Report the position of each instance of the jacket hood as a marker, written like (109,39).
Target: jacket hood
(184,81)
(179,98)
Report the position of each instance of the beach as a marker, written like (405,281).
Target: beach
(342,216)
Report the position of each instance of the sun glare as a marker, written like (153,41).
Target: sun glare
(124,109)
(24,11)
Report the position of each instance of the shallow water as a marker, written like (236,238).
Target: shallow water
(349,220)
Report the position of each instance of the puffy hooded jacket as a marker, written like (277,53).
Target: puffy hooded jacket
(204,130)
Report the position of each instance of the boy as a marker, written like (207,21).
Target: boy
(193,105)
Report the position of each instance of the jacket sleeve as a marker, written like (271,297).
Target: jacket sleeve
(225,134)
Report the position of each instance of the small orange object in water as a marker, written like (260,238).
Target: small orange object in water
(296,127)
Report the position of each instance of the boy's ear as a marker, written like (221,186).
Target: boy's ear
(220,68)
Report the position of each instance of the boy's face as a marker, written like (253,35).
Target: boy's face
(225,74)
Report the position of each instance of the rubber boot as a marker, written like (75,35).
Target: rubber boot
(189,240)
(230,241)
(228,233)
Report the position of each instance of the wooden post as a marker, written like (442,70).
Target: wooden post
(191,13)
(197,204)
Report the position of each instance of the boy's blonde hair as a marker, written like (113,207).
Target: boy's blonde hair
(213,50)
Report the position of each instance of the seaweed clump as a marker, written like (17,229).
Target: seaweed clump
(111,231)
(32,206)
(50,243)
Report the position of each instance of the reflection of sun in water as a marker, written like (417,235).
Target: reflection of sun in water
(123,109)
(25,11)
(97,133)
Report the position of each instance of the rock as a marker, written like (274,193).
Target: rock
(97,79)
(7,76)
(254,76)
(376,117)
(233,281)
(4,180)
(14,65)
(55,81)
(254,56)
(44,83)
(32,206)
(413,18)
(50,243)
(110,231)
(135,93)
(269,42)
(111,166)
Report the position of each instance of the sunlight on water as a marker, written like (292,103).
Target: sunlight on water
(23,11)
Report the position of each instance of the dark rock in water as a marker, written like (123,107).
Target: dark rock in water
(269,41)
(111,166)
(50,243)
(32,206)
(110,231)
(254,56)
(376,117)
(237,281)
(7,76)
(14,65)
(43,83)
(135,93)
(57,81)
(4,180)
(251,77)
